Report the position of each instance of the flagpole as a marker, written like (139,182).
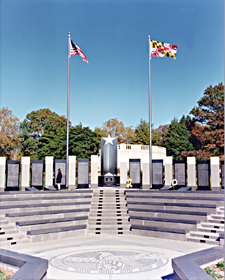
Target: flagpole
(150,115)
(68,108)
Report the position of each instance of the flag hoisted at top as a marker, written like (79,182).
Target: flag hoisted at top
(159,49)
(74,49)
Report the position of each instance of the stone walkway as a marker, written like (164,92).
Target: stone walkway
(106,257)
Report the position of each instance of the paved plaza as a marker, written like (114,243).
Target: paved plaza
(106,257)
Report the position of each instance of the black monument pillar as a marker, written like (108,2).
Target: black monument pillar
(108,162)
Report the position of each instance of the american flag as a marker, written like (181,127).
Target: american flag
(74,49)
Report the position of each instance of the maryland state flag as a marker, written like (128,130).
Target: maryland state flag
(159,49)
(74,49)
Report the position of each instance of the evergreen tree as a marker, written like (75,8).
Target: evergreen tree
(141,134)
(53,140)
(177,138)
(83,142)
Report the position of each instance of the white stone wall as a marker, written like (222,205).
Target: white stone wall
(127,151)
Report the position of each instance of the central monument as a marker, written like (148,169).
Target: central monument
(108,162)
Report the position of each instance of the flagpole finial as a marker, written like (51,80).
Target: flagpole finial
(69,34)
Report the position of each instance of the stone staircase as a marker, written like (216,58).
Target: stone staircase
(9,233)
(209,231)
(108,214)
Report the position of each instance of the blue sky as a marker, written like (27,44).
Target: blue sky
(113,34)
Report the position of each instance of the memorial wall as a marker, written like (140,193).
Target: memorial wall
(39,174)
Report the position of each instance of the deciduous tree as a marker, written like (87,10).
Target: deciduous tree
(32,129)
(9,134)
(116,128)
(207,126)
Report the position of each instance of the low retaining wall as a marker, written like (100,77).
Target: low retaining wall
(31,268)
(188,267)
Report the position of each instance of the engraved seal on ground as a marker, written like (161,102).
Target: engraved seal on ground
(109,262)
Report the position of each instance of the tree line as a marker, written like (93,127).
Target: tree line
(43,133)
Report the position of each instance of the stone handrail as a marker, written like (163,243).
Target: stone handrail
(30,268)
(188,267)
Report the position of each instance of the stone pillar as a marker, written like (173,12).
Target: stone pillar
(145,176)
(191,173)
(94,171)
(123,174)
(48,171)
(215,175)
(168,171)
(2,173)
(25,173)
(72,173)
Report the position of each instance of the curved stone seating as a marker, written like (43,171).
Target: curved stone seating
(164,213)
(174,206)
(39,216)
(169,222)
(56,232)
(162,232)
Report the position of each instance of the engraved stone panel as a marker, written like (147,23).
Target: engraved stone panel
(83,173)
(37,173)
(157,173)
(180,173)
(203,175)
(135,172)
(12,177)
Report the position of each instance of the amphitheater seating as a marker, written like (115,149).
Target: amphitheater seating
(39,216)
(30,216)
(176,214)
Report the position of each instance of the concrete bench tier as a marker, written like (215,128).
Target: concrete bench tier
(149,196)
(45,234)
(10,215)
(48,221)
(47,193)
(172,204)
(164,220)
(56,229)
(168,211)
(163,229)
(144,193)
(163,232)
(43,205)
(50,198)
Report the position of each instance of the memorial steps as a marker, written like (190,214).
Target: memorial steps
(209,232)
(9,233)
(192,216)
(108,214)
(39,216)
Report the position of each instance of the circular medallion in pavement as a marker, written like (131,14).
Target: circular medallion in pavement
(109,262)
